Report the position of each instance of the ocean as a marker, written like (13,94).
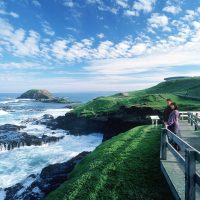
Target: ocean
(18,163)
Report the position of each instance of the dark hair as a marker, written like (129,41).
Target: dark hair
(175,106)
(169,100)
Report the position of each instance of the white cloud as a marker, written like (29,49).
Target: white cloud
(196,24)
(165,54)
(130,13)
(47,28)
(102,6)
(156,20)
(19,42)
(190,15)
(12,14)
(36,3)
(163,60)
(59,48)
(138,49)
(100,35)
(144,5)
(172,9)
(122,3)
(30,46)
(68,3)
(21,65)
(71,29)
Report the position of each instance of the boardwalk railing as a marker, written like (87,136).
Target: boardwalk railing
(188,158)
(194,119)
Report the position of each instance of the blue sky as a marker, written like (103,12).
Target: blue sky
(96,45)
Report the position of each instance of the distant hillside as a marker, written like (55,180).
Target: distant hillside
(154,97)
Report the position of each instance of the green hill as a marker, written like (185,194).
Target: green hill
(124,167)
(177,86)
(153,97)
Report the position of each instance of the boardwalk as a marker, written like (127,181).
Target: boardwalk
(173,167)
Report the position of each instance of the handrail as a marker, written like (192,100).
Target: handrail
(189,162)
(184,145)
(187,114)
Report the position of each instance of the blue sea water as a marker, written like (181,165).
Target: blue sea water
(17,164)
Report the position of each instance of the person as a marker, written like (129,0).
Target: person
(167,111)
(173,122)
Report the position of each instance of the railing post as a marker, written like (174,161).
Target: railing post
(192,119)
(189,118)
(196,122)
(163,150)
(190,170)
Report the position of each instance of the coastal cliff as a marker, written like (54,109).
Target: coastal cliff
(110,124)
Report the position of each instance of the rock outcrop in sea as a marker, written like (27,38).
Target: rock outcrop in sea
(46,96)
(36,94)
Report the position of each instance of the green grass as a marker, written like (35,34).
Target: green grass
(124,167)
(153,97)
(176,86)
(104,105)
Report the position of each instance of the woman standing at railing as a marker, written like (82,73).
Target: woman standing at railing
(173,121)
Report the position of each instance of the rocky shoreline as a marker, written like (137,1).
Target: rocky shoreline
(12,136)
(37,187)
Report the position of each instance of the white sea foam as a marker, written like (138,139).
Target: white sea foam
(2,112)
(56,112)
(17,164)
(39,130)
(10,101)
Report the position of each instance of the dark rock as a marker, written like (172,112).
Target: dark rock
(45,120)
(110,124)
(11,127)
(57,100)
(36,187)
(11,137)
(29,120)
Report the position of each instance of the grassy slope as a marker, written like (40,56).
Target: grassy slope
(124,167)
(152,97)
(176,86)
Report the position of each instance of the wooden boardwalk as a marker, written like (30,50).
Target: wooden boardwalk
(174,164)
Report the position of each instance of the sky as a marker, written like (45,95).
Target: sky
(97,45)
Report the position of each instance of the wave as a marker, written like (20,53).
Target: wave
(14,101)
(40,130)
(19,163)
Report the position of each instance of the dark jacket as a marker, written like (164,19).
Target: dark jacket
(166,113)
